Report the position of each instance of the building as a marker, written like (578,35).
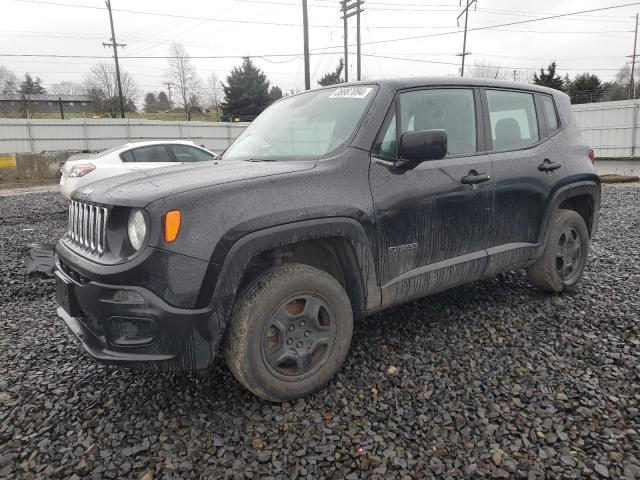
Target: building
(13,103)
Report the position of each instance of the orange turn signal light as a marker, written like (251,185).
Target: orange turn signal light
(172,225)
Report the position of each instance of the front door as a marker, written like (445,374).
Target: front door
(432,221)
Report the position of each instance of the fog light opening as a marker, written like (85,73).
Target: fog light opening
(127,296)
(127,332)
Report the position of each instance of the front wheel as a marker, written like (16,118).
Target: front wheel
(289,332)
(562,263)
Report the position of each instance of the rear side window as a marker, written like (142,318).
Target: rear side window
(550,113)
(513,119)
(151,153)
(185,153)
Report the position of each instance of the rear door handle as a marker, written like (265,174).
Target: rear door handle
(548,165)
(474,178)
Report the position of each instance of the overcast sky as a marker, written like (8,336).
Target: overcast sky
(596,42)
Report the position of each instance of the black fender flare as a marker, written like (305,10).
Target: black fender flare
(589,187)
(229,275)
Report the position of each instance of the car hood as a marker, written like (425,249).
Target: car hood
(140,188)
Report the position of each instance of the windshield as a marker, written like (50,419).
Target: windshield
(308,125)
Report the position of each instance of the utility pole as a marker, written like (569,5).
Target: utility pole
(464,12)
(358,49)
(349,10)
(115,46)
(632,88)
(168,84)
(346,41)
(305,22)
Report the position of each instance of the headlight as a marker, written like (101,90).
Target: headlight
(137,228)
(81,170)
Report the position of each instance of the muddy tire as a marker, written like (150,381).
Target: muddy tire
(562,263)
(289,332)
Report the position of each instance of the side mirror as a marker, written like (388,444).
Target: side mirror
(421,145)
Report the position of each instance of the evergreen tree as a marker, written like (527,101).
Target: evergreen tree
(549,78)
(334,77)
(163,103)
(246,92)
(30,86)
(275,93)
(150,103)
(585,88)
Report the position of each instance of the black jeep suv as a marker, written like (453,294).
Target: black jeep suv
(334,203)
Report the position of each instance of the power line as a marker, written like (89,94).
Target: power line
(489,27)
(184,17)
(420,60)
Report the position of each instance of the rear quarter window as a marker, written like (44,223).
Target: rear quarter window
(550,113)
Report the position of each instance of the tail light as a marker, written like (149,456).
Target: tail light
(81,170)
(592,156)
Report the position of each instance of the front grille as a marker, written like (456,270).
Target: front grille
(87,226)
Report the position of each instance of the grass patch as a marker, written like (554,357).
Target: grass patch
(614,178)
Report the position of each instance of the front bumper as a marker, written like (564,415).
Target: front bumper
(145,333)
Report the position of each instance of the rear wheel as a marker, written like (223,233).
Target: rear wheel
(565,255)
(289,332)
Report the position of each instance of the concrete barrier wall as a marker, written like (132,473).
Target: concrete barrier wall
(610,128)
(22,135)
(33,166)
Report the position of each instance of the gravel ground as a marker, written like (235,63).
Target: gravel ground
(491,379)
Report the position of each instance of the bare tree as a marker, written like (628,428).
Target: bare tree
(184,78)
(487,69)
(8,80)
(100,86)
(214,93)
(67,88)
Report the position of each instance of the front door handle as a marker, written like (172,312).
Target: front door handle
(548,165)
(474,178)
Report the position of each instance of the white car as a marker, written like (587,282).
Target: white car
(83,169)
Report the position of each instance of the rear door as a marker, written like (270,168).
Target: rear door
(149,156)
(527,166)
(433,221)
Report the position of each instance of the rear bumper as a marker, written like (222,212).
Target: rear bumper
(144,333)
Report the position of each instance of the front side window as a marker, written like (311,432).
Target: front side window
(185,153)
(513,119)
(311,124)
(451,109)
(387,145)
(151,153)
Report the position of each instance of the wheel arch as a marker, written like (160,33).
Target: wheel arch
(339,246)
(581,196)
